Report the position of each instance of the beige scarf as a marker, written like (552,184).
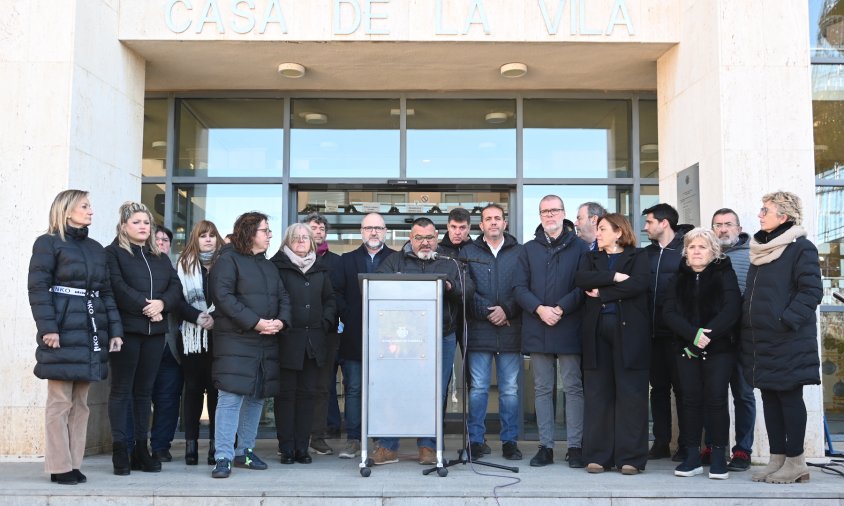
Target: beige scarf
(761,254)
(303,263)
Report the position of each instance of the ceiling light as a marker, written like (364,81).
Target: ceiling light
(315,118)
(159,144)
(397,112)
(513,69)
(291,70)
(495,118)
(649,148)
(821,147)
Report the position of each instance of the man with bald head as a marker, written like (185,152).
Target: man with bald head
(364,259)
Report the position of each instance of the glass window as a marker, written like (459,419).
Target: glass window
(154,149)
(648,196)
(614,198)
(826,28)
(350,138)
(230,137)
(222,204)
(830,213)
(832,368)
(648,141)
(828,114)
(461,138)
(576,138)
(152,196)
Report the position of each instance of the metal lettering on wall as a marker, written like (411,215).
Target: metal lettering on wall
(372,17)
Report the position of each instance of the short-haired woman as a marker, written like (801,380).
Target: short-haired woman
(779,347)
(616,349)
(701,307)
(252,307)
(146,289)
(67,279)
(306,277)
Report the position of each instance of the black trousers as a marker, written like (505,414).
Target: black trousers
(663,378)
(785,419)
(133,372)
(327,375)
(615,432)
(294,406)
(704,384)
(197,372)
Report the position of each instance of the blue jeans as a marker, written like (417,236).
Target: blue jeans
(238,414)
(508,366)
(352,378)
(166,396)
(448,347)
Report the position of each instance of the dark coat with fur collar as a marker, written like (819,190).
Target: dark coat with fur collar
(709,299)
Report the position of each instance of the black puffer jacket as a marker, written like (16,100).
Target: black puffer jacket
(779,347)
(448,248)
(138,276)
(76,262)
(709,299)
(494,282)
(630,297)
(546,277)
(313,312)
(665,262)
(405,261)
(245,289)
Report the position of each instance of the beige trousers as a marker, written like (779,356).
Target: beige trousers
(66,425)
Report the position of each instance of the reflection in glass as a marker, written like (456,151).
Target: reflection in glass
(222,204)
(614,198)
(461,138)
(832,368)
(230,137)
(648,197)
(154,148)
(152,196)
(350,138)
(830,236)
(826,28)
(828,113)
(648,140)
(576,138)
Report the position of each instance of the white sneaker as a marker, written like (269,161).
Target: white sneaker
(351,450)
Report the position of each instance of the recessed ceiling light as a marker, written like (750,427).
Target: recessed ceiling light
(159,144)
(291,70)
(396,112)
(513,69)
(649,148)
(495,118)
(315,118)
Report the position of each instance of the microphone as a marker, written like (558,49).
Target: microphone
(435,255)
(834,294)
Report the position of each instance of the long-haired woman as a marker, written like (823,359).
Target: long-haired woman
(199,254)
(78,324)
(146,288)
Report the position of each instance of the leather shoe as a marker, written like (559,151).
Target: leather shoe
(303,457)
(511,451)
(475,451)
(68,478)
(162,455)
(287,457)
(575,458)
(543,457)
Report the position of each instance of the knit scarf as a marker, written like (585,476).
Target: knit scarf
(303,263)
(765,253)
(194,337)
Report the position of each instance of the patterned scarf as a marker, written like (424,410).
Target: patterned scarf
(194,337)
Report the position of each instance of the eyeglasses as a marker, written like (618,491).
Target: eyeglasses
(550,212)
(373,229)
(716,226)
(300,237)
(424,238)
(764,211)
(266,230)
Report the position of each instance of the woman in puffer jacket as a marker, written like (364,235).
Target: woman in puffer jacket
(78,324)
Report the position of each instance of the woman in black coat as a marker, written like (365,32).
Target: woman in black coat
(779,342)
(701,307)
(67,278)
(302,350)
(146,288)
(616,349)
(252,307)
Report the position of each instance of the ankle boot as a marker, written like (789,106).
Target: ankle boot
(211,451)
(774,464)
(142,460)
(191,452)
(120,458)
(718,463)
(691,465)
(794,470)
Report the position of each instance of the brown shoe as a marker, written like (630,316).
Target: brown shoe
(384,456)
(629,470)
(594,468)
(427,456)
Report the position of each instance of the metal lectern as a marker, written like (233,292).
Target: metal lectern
(402,360)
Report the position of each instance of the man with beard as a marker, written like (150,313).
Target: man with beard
(366,258)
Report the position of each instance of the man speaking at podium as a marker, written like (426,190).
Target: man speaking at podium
(418,256)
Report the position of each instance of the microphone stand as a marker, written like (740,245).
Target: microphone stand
(463,454)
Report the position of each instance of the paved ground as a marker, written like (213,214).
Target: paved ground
(333,481)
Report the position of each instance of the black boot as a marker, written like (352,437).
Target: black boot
(211,451)
(718,464)
(691,465)
(191,452)
(142,460)
(120,458)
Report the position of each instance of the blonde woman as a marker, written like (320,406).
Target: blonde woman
(78,324)
(146,288)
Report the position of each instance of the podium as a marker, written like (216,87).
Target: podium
(402,360)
